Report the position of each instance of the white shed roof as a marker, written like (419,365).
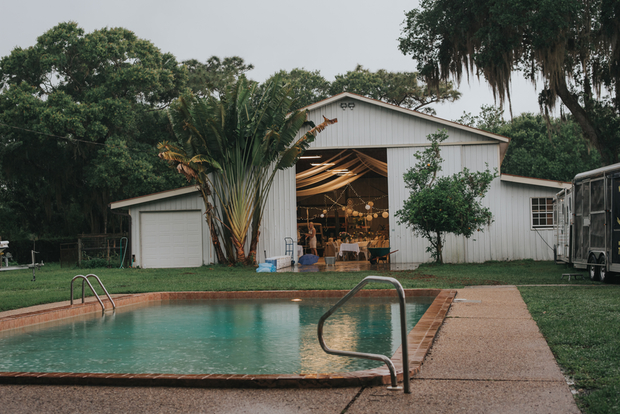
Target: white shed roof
(535,181)
(153,197)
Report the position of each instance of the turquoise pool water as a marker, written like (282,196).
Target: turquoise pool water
(257,336)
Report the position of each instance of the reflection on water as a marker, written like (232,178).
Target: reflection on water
(258,336)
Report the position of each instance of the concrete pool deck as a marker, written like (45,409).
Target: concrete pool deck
(489,357)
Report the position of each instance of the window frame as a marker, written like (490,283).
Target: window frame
(542,214)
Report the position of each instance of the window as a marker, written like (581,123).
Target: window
(542,213)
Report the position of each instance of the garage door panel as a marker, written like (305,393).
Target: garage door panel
(171,239)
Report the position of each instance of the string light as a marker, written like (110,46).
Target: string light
(350,208)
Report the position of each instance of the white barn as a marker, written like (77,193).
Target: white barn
(168,229)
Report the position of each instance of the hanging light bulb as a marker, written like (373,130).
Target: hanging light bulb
(370,203)
(385,214)
(322,215)
(369,217)
(367,207)
(375,215)
(344,208)
(324,211)
(355,214)
(349,211)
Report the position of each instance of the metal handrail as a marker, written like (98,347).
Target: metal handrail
(85,279)
(376,357)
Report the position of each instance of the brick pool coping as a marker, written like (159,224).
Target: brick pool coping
(420,339)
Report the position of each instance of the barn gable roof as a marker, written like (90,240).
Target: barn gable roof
(409,112)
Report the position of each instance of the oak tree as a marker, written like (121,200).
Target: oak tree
(78,116)
(571,44)
(552,149)
(397,88)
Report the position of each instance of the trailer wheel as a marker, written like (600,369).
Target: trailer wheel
(593,271)
(602,271)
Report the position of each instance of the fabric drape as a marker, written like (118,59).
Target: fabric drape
(331,174)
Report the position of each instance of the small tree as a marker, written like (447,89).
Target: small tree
(440,205)
(232,146)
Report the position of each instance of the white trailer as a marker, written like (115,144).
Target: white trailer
(587,223)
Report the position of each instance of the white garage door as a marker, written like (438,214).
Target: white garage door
(171,239)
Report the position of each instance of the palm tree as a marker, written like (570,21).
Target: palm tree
(234,146)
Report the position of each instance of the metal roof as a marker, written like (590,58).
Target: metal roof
(153,197)
(598,171)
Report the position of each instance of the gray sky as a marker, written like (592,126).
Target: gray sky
(332,36)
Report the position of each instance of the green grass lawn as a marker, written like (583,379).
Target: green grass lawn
(582,327)
(581,322)
(53,283)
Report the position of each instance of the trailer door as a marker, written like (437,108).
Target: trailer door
(615,223)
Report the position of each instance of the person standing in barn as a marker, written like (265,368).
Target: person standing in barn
(312,239)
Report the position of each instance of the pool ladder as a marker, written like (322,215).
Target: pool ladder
(85,279)
(376,357)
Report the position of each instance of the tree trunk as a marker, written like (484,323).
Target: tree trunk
(214,236)
(581,116)
(204,189)
(439,249)
(251,259)
(240,250)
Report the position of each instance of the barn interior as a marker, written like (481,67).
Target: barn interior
(345,194)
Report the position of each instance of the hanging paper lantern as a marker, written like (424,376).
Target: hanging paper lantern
(370,203)
(322,215)
(369,217)
(375,215)
(367,207)
(355,214)
(344,208)
(349,211)
(324,211)
(385,214)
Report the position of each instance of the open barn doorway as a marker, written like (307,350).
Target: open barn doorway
(345,194)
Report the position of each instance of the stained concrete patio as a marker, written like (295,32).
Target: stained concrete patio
(489,357)
(350,266)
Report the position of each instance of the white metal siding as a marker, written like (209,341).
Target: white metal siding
(509,237)
(513,237)
(280,217)
(369,125)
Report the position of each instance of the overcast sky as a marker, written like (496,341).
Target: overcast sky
(331,36)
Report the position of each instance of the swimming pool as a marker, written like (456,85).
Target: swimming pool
(257,340)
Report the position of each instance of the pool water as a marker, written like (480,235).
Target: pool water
(257,336)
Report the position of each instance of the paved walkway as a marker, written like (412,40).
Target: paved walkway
(489,357)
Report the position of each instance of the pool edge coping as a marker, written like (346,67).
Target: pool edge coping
(420,340)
